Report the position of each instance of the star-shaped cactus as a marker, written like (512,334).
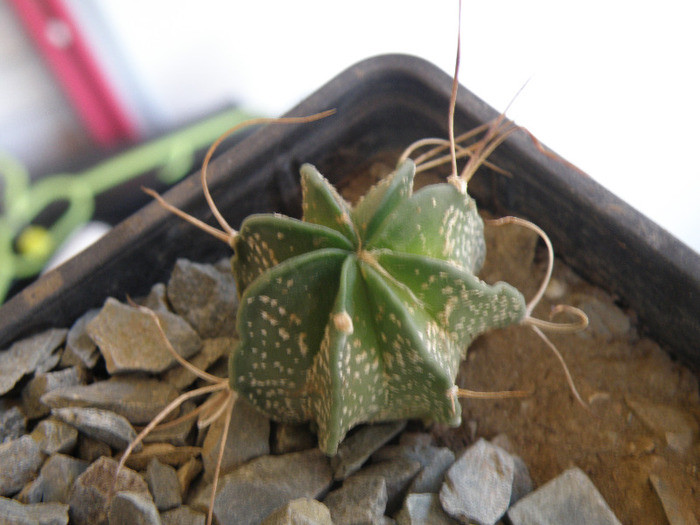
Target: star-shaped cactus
(363,314)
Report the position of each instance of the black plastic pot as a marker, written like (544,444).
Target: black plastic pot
(383,104)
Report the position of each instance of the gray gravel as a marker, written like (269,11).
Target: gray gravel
(83,393)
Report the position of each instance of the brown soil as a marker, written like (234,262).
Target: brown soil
(612,367)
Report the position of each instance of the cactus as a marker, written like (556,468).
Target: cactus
(363,314)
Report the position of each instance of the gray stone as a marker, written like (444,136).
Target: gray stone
(80,349)
(32,492)
(93,490)
(164,485)
(40,384)
(187,472)
(15,513)
(292,438)
(434,460)
(212,350)
(20,460)
(302,511)
(205,297)
(12,424)
(360,445)
(251,492)
(678,510)
(157,299)
(430,479)
(136,398)
(183,515)
(398,474)
(57,476)
(423,509)
(478,486)
(103,425)
(175,433)
(569,498)
(360,501)
(678,427)
(55,436)
(133,508)
(91,449)
(248,438)
(130,341)
(29,355)
(522,482)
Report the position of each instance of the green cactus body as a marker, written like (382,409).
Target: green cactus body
(363,314)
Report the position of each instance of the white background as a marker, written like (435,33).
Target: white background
(613,85)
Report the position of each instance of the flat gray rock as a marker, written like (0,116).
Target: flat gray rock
(248,438)
(57,476)
(32,354)
(478,486)
(569,498)
(103,425)
(398,474)
(92,491)
(20,459)
(80,349)
(302,511)
(40,384)
(55,436)
(205,297)
(183,515)
(212,350)
(360,445)
(16,513)
(434,461)
(360,501)
(253,491)
(130,341)
(164,485)
(423,509)
(13,424)
(136,398)
(133,508)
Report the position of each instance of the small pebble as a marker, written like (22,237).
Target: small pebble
(138,399)
(33,354)
(103,425)
(13,424)
(478,486)
(205,297)
(133,508)
(183,515)
(569,498)
(26,457)
(130,341)
(302,511)
(164,485)
(15,513)
(43,383)
(80,349)
(54,436)
(253,491)
(361,500)
(360,445)
(248,438)
(91,494)
(423,509)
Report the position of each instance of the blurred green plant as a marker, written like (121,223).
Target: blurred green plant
(26,247)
